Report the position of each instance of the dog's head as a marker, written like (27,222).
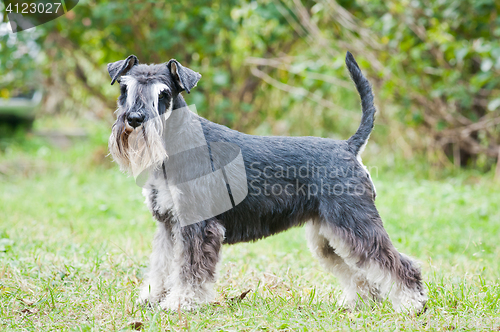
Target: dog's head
(146,100)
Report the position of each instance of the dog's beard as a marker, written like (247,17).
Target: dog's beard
(137,150)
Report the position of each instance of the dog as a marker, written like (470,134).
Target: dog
(288,182)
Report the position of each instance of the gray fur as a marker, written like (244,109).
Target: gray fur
(291,181)
(121,67)
(358,141)
(184,77)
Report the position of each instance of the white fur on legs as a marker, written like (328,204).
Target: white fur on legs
(188,296)
(355,286)
(157,282)
(196,251)
(404,298)
(381,282)
(388,285)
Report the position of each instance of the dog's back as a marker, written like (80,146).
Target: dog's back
(288,177)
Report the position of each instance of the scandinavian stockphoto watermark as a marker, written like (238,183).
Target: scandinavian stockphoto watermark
(26,14)
(277,180)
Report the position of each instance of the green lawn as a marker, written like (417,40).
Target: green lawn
(75,237)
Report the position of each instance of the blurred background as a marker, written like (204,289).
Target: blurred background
(75,234)
(276,67)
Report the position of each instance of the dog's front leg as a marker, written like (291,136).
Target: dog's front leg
(156,284)
(196,254)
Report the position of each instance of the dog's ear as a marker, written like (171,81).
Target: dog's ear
(119,68)
(184,77)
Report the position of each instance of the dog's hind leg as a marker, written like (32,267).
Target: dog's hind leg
(356,234)
(197,251)
(156,285)
(355,286)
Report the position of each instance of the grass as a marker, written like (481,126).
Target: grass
(75,238)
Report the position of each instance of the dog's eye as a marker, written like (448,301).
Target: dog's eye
(162,95)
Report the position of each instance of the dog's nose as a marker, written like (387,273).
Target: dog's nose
(135,119)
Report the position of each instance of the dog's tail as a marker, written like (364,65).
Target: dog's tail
(357,141)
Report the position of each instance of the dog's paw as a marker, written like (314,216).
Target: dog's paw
(174,303)
(150,299)
(143,299)
(146,304)
(413,303)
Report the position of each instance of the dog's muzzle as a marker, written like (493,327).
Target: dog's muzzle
(135,119)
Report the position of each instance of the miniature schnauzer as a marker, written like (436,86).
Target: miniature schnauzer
(191,171)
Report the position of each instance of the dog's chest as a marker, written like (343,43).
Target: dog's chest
(158,198)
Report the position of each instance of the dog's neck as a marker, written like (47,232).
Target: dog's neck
(179,102)
(182,129)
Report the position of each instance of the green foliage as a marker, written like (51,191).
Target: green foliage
(446,49)
(18,66)
(443,59)
(276,66)
(212,37)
